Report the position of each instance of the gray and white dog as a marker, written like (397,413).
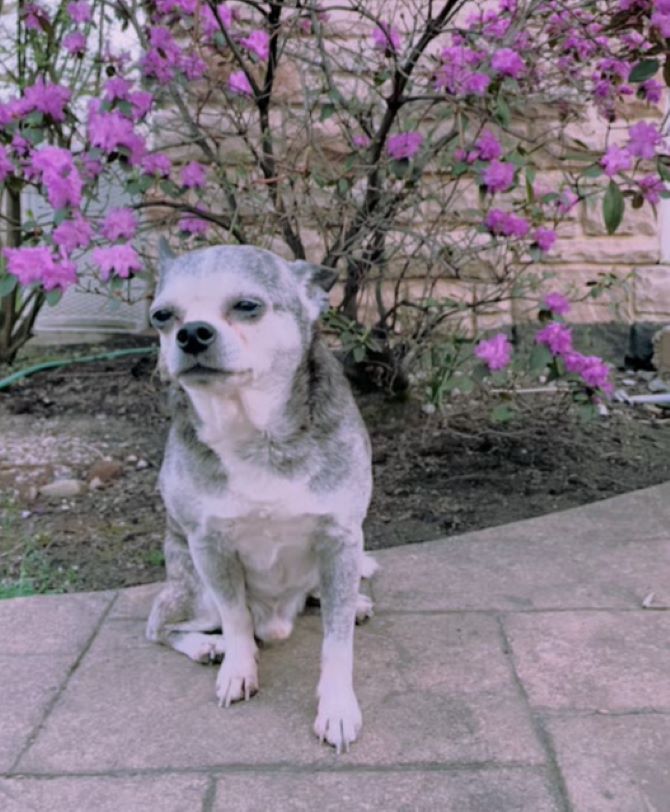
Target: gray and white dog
(266,477)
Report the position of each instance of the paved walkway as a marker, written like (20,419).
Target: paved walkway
(515,668)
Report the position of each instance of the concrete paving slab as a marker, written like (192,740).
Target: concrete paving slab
(432,689)
(135,602)
(617,661)
(50,624)
(614,763)
(495,572)
(485,790)
(167,793)
(29,685)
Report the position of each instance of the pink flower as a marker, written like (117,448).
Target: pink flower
(119,259)
(193,225)
(495,352)
(557,303)
(652,90)
(55,167)
(508,62)
(258,42)
(476,83)
(361,141)
(79,12)
(75,43)
(505,223)
(651,188)
(239,84)
(71,234)
(386,38)
(210,23)
(592,370)
(38,265)
(616,160)
(6,166)
(643,140)
(120,224)
(156,165)
(498,176)
(488,146)
(404,145)
(544,238)
(193,175)
(141,101)
(567,201)
(662,22)
(117,88)
(556,336)
(111,131)
(50,100)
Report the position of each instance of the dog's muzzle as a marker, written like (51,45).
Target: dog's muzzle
(195,337)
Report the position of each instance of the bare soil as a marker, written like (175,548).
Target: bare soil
(104,424)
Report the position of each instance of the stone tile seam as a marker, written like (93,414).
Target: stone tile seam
(585,713)
(556,782)
(209,798)
(32,737)
(221,770)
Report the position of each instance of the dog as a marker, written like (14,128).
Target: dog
(266,477)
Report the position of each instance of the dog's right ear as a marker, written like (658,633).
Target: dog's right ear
(165,255)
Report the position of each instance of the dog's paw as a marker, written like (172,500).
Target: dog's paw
(338,720)
(237,679)
(364,608)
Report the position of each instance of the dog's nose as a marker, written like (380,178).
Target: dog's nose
(195,337)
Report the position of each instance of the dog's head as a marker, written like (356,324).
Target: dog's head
(231,315)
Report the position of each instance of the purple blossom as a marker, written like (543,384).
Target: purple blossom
(488,146)
(508,62)
(386,38)
(141,101)
(193,175)
(557,303)
(567,201)
(506,224)
(209,21)
(556,336)
(593,370)
(361,141)
(156,165)
(404,145)
(498,176)
(119,259)
(71,234)
(38,265)
(120,224)
(652,91)
(79,12)
(495,352)
(50,100)
(111,131)
(476,83)
(662,22)
(544,238)
(75,43)
(651,187)
(616,159)
(258,42)
(643,140)
(54,166)
(193,225)
(117,88)
(239,83)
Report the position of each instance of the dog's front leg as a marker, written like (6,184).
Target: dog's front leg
(338,719)
(221,571)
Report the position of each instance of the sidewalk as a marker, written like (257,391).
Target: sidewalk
(509,669)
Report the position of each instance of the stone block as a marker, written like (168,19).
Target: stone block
(142,706)
(613,763)
(593,661)
(652,293)
(636,222)
(661,357)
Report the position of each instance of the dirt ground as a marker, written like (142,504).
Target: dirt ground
(103,425)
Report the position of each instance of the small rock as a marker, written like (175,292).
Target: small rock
(26,514)
(628,382)
(105,471)
(141,465)
(95,484)
(63,488)
(132,458)
(657,385)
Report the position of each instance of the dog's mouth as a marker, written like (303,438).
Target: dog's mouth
(202,372)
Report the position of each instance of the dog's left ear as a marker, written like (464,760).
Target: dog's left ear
(316,281)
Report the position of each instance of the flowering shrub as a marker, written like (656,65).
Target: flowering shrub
(388,147)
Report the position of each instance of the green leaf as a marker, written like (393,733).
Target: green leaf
(594,171)
(540,358)
(359,354)
(613,207)
(343,186)
(53,297)
(502,414)
(502,112)
(644,70)
(7,285)
(400,168)
(664,171)
(327,111)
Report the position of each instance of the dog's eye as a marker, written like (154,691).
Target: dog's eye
(161,317)
(247,307)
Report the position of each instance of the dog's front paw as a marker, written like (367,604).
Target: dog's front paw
(339,719)
(237,679)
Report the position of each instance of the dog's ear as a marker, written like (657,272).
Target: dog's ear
(316,281)
(165,255)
